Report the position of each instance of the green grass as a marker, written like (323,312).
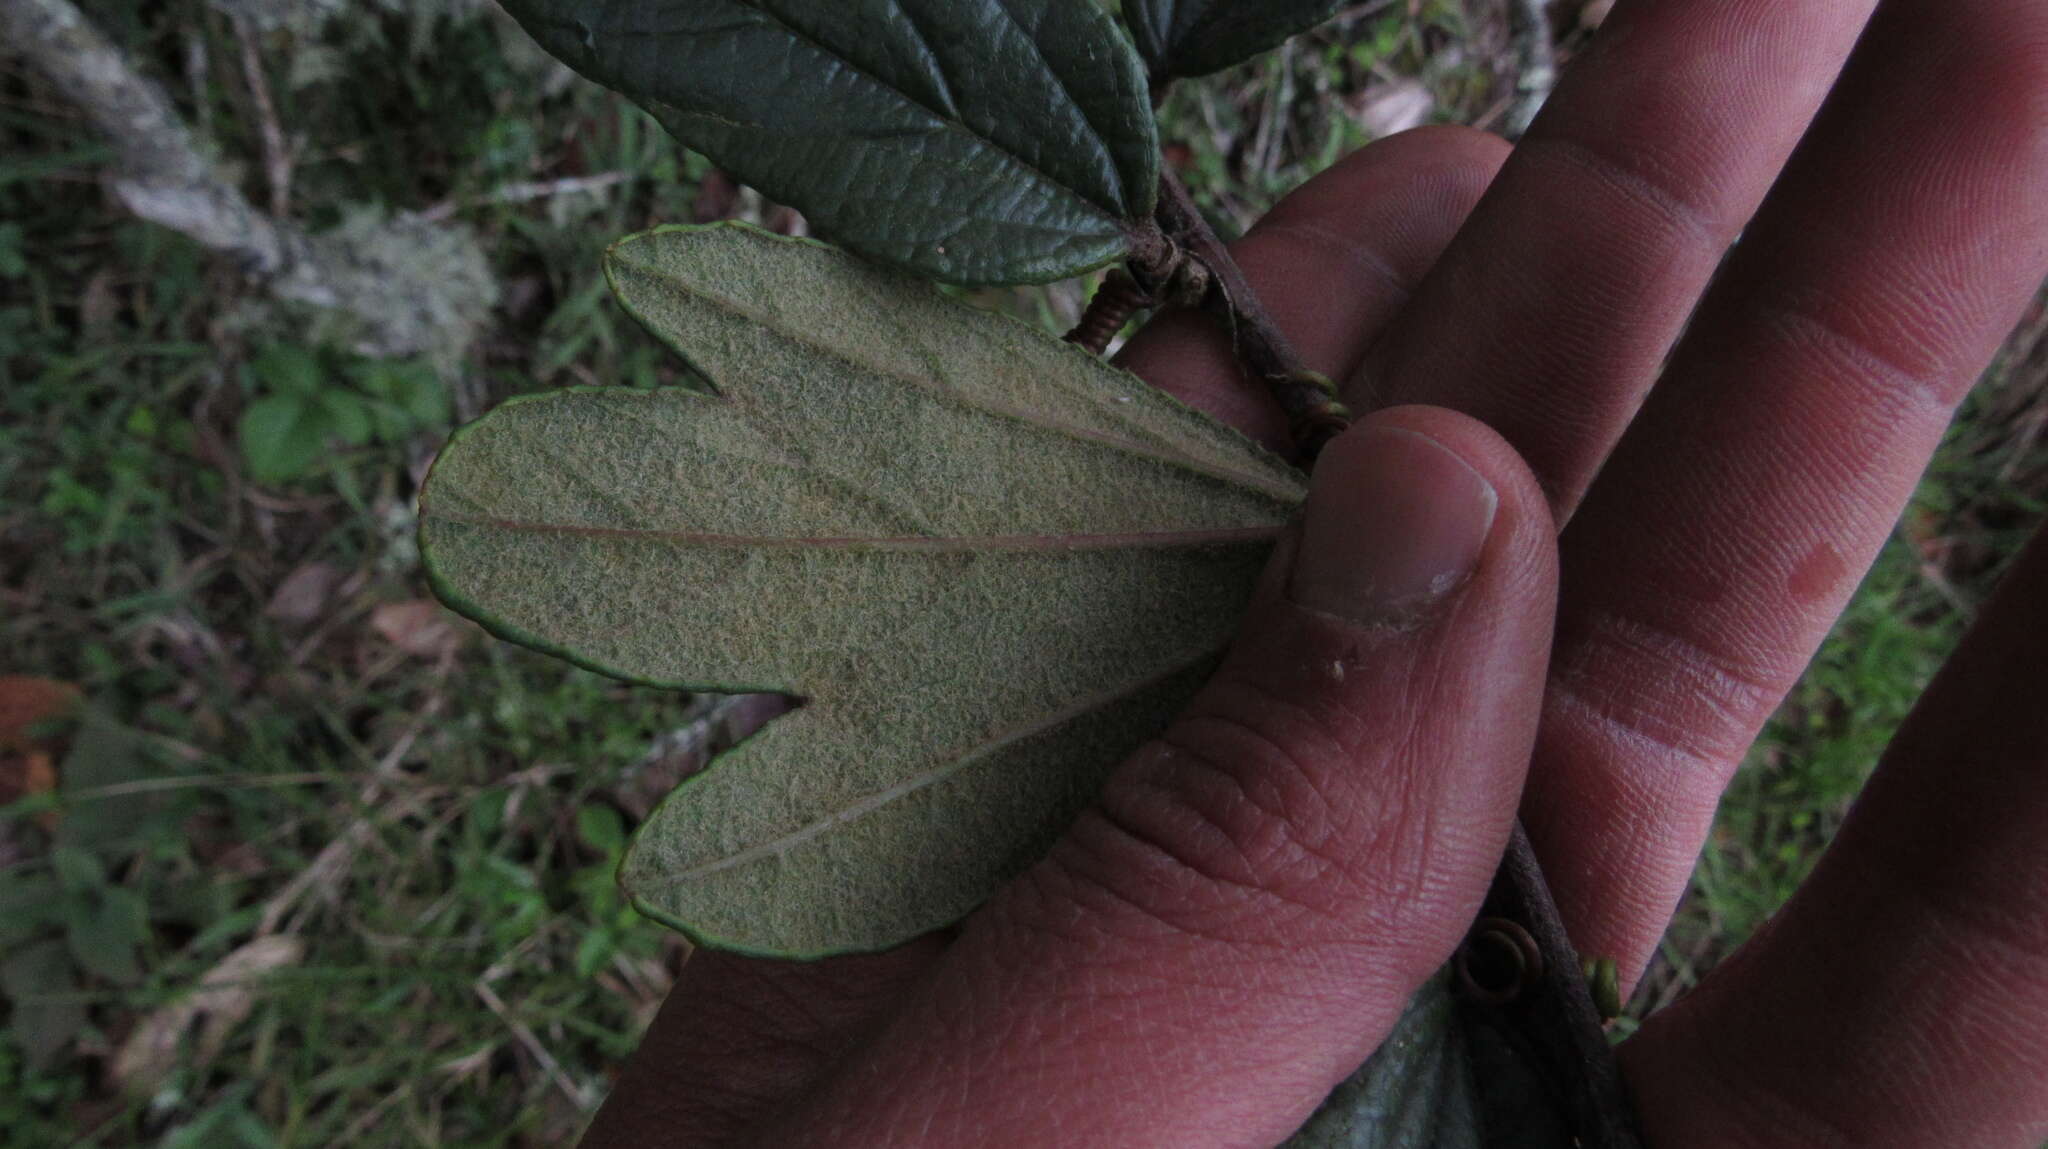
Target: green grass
(436,825)
(469,972)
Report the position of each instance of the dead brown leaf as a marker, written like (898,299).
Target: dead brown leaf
(420,627)
(97,306)
(1393,107)
(717,197)
(28,765)
(305,594)
(24,773)
(222,999)
(27,702)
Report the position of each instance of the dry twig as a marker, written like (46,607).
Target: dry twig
(406,287)
(277,156)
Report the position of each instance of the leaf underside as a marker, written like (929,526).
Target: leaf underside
(1449,1076)
(1181,38)
(974,141)
(1416,1091)
(989,563)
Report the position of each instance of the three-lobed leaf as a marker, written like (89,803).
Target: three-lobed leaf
(990,564)
(1180,38)
(974,141)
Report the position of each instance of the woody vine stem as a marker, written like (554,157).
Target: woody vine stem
(1541,994)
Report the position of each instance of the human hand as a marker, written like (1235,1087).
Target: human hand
(1244,915)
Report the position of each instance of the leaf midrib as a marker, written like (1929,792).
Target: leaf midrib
(930,544)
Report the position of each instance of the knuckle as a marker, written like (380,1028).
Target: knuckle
(1638,179)
(1245,814)
(1659,692)
(1880,346)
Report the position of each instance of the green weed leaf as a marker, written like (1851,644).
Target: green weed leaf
(974,141)
(1195,37)
(28,903)
(78,871)
(284,367)
(601,829)
(103,932)
(349,416)
(282,436)
(989,563)
(41,989)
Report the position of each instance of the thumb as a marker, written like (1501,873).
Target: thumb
(1240,919)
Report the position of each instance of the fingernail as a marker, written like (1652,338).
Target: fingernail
(1395,523)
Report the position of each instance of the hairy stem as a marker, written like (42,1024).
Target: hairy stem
(1115,302)
(1309,400)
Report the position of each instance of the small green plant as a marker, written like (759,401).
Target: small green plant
(68,917)
(991,564)
(305,401)
(612,918)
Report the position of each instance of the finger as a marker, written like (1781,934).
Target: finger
(739,1035)
(1332,262)
(1901,998)
(1549,316)
(1241,918)
(1727,533)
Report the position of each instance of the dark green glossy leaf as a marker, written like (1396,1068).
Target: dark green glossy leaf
(975,141)
(989,563)
(1196,37)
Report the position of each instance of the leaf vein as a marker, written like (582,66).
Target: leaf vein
(948,766)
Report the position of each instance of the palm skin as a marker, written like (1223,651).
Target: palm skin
(1694,455)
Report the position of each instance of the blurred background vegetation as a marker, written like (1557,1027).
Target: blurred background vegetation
(289,855)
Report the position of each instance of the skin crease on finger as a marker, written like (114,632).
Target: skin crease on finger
(1549,316)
